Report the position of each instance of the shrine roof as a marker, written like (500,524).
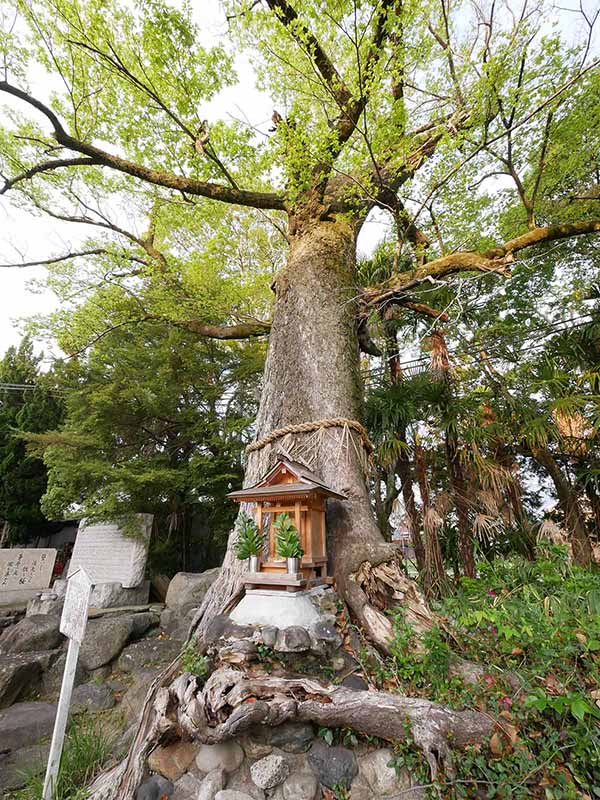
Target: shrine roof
(306,482)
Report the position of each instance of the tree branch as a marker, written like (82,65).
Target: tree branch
(304,37)
(493,260)
(242,330)
(47,261)
(213,191)
(46,166)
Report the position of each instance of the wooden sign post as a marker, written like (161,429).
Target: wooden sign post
(72,624)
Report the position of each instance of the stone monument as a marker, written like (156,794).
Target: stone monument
(24,572)
(114,562)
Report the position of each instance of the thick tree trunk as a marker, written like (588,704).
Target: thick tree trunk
(384,501)
(312,374)
(435,580)
(405,473)
(459,494)
(440,363)
(591,491)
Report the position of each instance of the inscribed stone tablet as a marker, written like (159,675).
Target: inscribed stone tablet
(26,568)
(109,557)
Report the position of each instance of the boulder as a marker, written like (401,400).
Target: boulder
(115,595)
(269,771)
(226,756)
(356,683)
(133,699)
(380,779)
(293,737)
(232,794)
(38,632)
(241,781)
(223,627)
(332,765)
(104,640)
(25,723)
(91,697)
(176,624)
(326,632)
(173,760)
(142,622)
(299,785)
(20,672)
(155,788)
(240,651)
(373,769)
(186,788)
(294,639)
(267,635)
(46,603)
(254,748)
(212,783)
(148,653)
(106,637)
(187,589)
(15,767)
(52,677)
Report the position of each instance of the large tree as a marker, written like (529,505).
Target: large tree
(387,105)
(382,105)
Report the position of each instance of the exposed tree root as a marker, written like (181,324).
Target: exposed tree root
(232,701)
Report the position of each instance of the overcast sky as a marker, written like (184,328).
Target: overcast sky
(23,238)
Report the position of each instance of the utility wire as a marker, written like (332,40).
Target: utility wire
(550,329)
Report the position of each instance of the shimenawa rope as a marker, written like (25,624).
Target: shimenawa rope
(308,427)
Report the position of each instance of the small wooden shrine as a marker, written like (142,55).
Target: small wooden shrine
(290,487)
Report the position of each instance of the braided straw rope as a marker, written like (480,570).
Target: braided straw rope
(308,427)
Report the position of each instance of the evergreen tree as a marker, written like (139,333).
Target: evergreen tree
(27,403)
(155,422)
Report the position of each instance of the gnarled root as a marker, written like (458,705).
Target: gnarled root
(233,701)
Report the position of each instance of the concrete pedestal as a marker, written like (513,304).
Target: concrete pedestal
(279,608)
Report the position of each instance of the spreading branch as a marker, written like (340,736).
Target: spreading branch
(241,330)
(46,166)
(45,262)
(191,186)
(496,260)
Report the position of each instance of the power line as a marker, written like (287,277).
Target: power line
(550,329)
(28,387)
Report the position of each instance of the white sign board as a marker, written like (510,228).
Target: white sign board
(72,624)
(75,611)
(110,557)
(26,568)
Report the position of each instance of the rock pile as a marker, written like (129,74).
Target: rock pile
(124,651)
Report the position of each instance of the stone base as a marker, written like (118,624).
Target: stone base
(18,597)
(46,603)
(278,608)
(111,595)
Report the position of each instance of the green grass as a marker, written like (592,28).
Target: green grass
(87,747)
